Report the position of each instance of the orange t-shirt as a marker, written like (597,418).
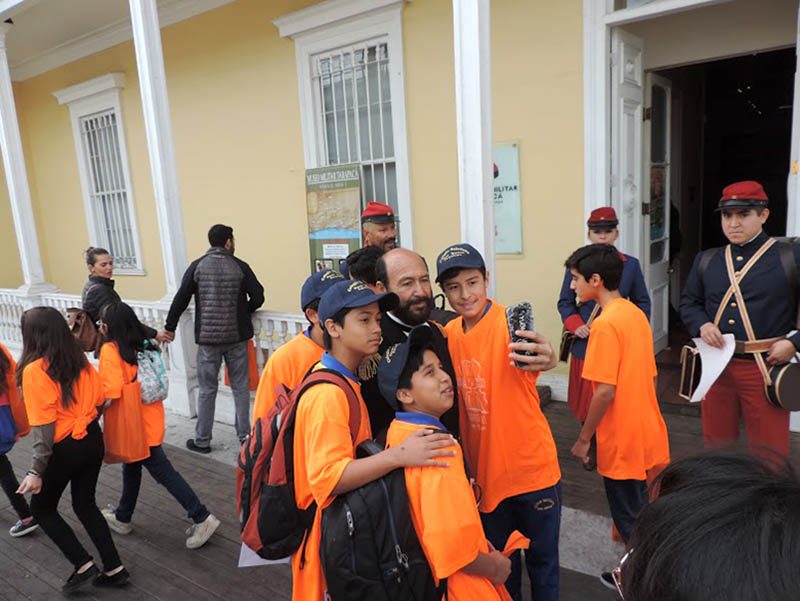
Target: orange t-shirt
(43,400)
(115,372)
(632,436)
(287,365)
(12,397)
(322,450)
(446,517)
(507,440)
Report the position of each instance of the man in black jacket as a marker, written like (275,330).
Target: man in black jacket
(226,293)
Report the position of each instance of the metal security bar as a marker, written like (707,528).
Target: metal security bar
(108,188)
(355,106)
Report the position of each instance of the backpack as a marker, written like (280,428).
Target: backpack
(370,549)
(152,374)
(271,523)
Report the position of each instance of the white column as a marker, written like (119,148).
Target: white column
(158,126)
(474,126)
(161,149)
(19,192)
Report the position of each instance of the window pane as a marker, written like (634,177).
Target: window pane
(391,185)
(380,190)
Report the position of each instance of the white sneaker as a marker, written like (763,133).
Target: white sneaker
(200,533)
(111,518)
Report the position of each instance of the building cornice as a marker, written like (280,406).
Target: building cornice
(82,90)
(106,37)
(327,13)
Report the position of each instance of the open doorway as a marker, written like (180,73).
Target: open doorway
(731,121)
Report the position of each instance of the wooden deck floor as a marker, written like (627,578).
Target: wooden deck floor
(163,569)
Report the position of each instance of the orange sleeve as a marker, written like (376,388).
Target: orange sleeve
(326,436)
(110,368)
(265,393)
(41,395)
(603,355)
(446,516)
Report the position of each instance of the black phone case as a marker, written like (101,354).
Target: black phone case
(519,317)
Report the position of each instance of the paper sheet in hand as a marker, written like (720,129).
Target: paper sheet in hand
(714,361)
(249,558)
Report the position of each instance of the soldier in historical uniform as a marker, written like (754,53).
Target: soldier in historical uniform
(766,271)
(378,229)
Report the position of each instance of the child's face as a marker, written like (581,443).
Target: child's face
(606,235)
(361,331)
(585,290)
(431,389)
(466,293)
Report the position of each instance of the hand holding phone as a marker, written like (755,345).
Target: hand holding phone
(519,317)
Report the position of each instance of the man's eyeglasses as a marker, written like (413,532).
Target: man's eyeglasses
(616,574)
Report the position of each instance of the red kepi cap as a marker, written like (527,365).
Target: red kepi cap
(743,195)
(602,217)
(377,212)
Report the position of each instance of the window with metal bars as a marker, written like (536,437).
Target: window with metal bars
(354,115)
(108,188)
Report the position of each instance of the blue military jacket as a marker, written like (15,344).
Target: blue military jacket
(631,286)
(766,292)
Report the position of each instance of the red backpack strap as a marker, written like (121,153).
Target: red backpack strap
(330,376)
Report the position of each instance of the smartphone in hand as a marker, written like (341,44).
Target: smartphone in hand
(519,317)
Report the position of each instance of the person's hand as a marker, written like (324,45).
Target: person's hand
(711,335)
(544,359)
(781,352)
(582,331)
(581,450)
(422,448)
(502,567)
(165,336)
(30,484)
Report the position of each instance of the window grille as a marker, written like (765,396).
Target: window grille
(108,188)
(355,115)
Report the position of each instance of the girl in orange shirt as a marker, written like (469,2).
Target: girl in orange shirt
(62,392)
(13,426)
(118,366)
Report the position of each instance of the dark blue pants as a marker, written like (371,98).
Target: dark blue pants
(537,515)
(162,471)
(626,498)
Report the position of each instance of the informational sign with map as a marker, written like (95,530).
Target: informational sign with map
(333,201)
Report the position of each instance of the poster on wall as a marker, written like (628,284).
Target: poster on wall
(333,202)
(507,216)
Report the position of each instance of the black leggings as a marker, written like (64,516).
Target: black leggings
(10,485)
(75,462)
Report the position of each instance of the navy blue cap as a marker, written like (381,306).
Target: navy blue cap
(394,361)
(350,294)
(316,284)
(461,255)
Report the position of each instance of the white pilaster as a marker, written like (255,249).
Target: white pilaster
(158,126)
(474,126)
(161,149)
(17,180)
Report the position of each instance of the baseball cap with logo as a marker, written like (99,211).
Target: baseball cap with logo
(463,256)
(350,294)
(316,285)
(394,362)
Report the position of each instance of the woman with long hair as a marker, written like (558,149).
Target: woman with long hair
(13,426)
(99,291)
(62,391)
(118,367)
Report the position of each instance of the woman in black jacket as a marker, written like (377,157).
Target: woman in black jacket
(99,291)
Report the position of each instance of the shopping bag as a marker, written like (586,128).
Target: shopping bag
(123,427)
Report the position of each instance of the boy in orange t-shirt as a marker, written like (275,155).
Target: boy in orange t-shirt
(507,441)
(291,361)
(324,453)
(443,505)
(623,413)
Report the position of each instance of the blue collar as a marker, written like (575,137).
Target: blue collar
(420,419)
(332,362)
(307,332)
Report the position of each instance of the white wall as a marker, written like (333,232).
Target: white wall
(719,31)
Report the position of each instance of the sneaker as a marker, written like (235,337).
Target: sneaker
(200,533)
(22,528)
(608,580)
(193,446)
(78,581)
(111,518)
(117,579)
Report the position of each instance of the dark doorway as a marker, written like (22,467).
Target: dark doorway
(732,121)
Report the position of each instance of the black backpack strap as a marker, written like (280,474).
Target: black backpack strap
(705,260)
(786,251)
